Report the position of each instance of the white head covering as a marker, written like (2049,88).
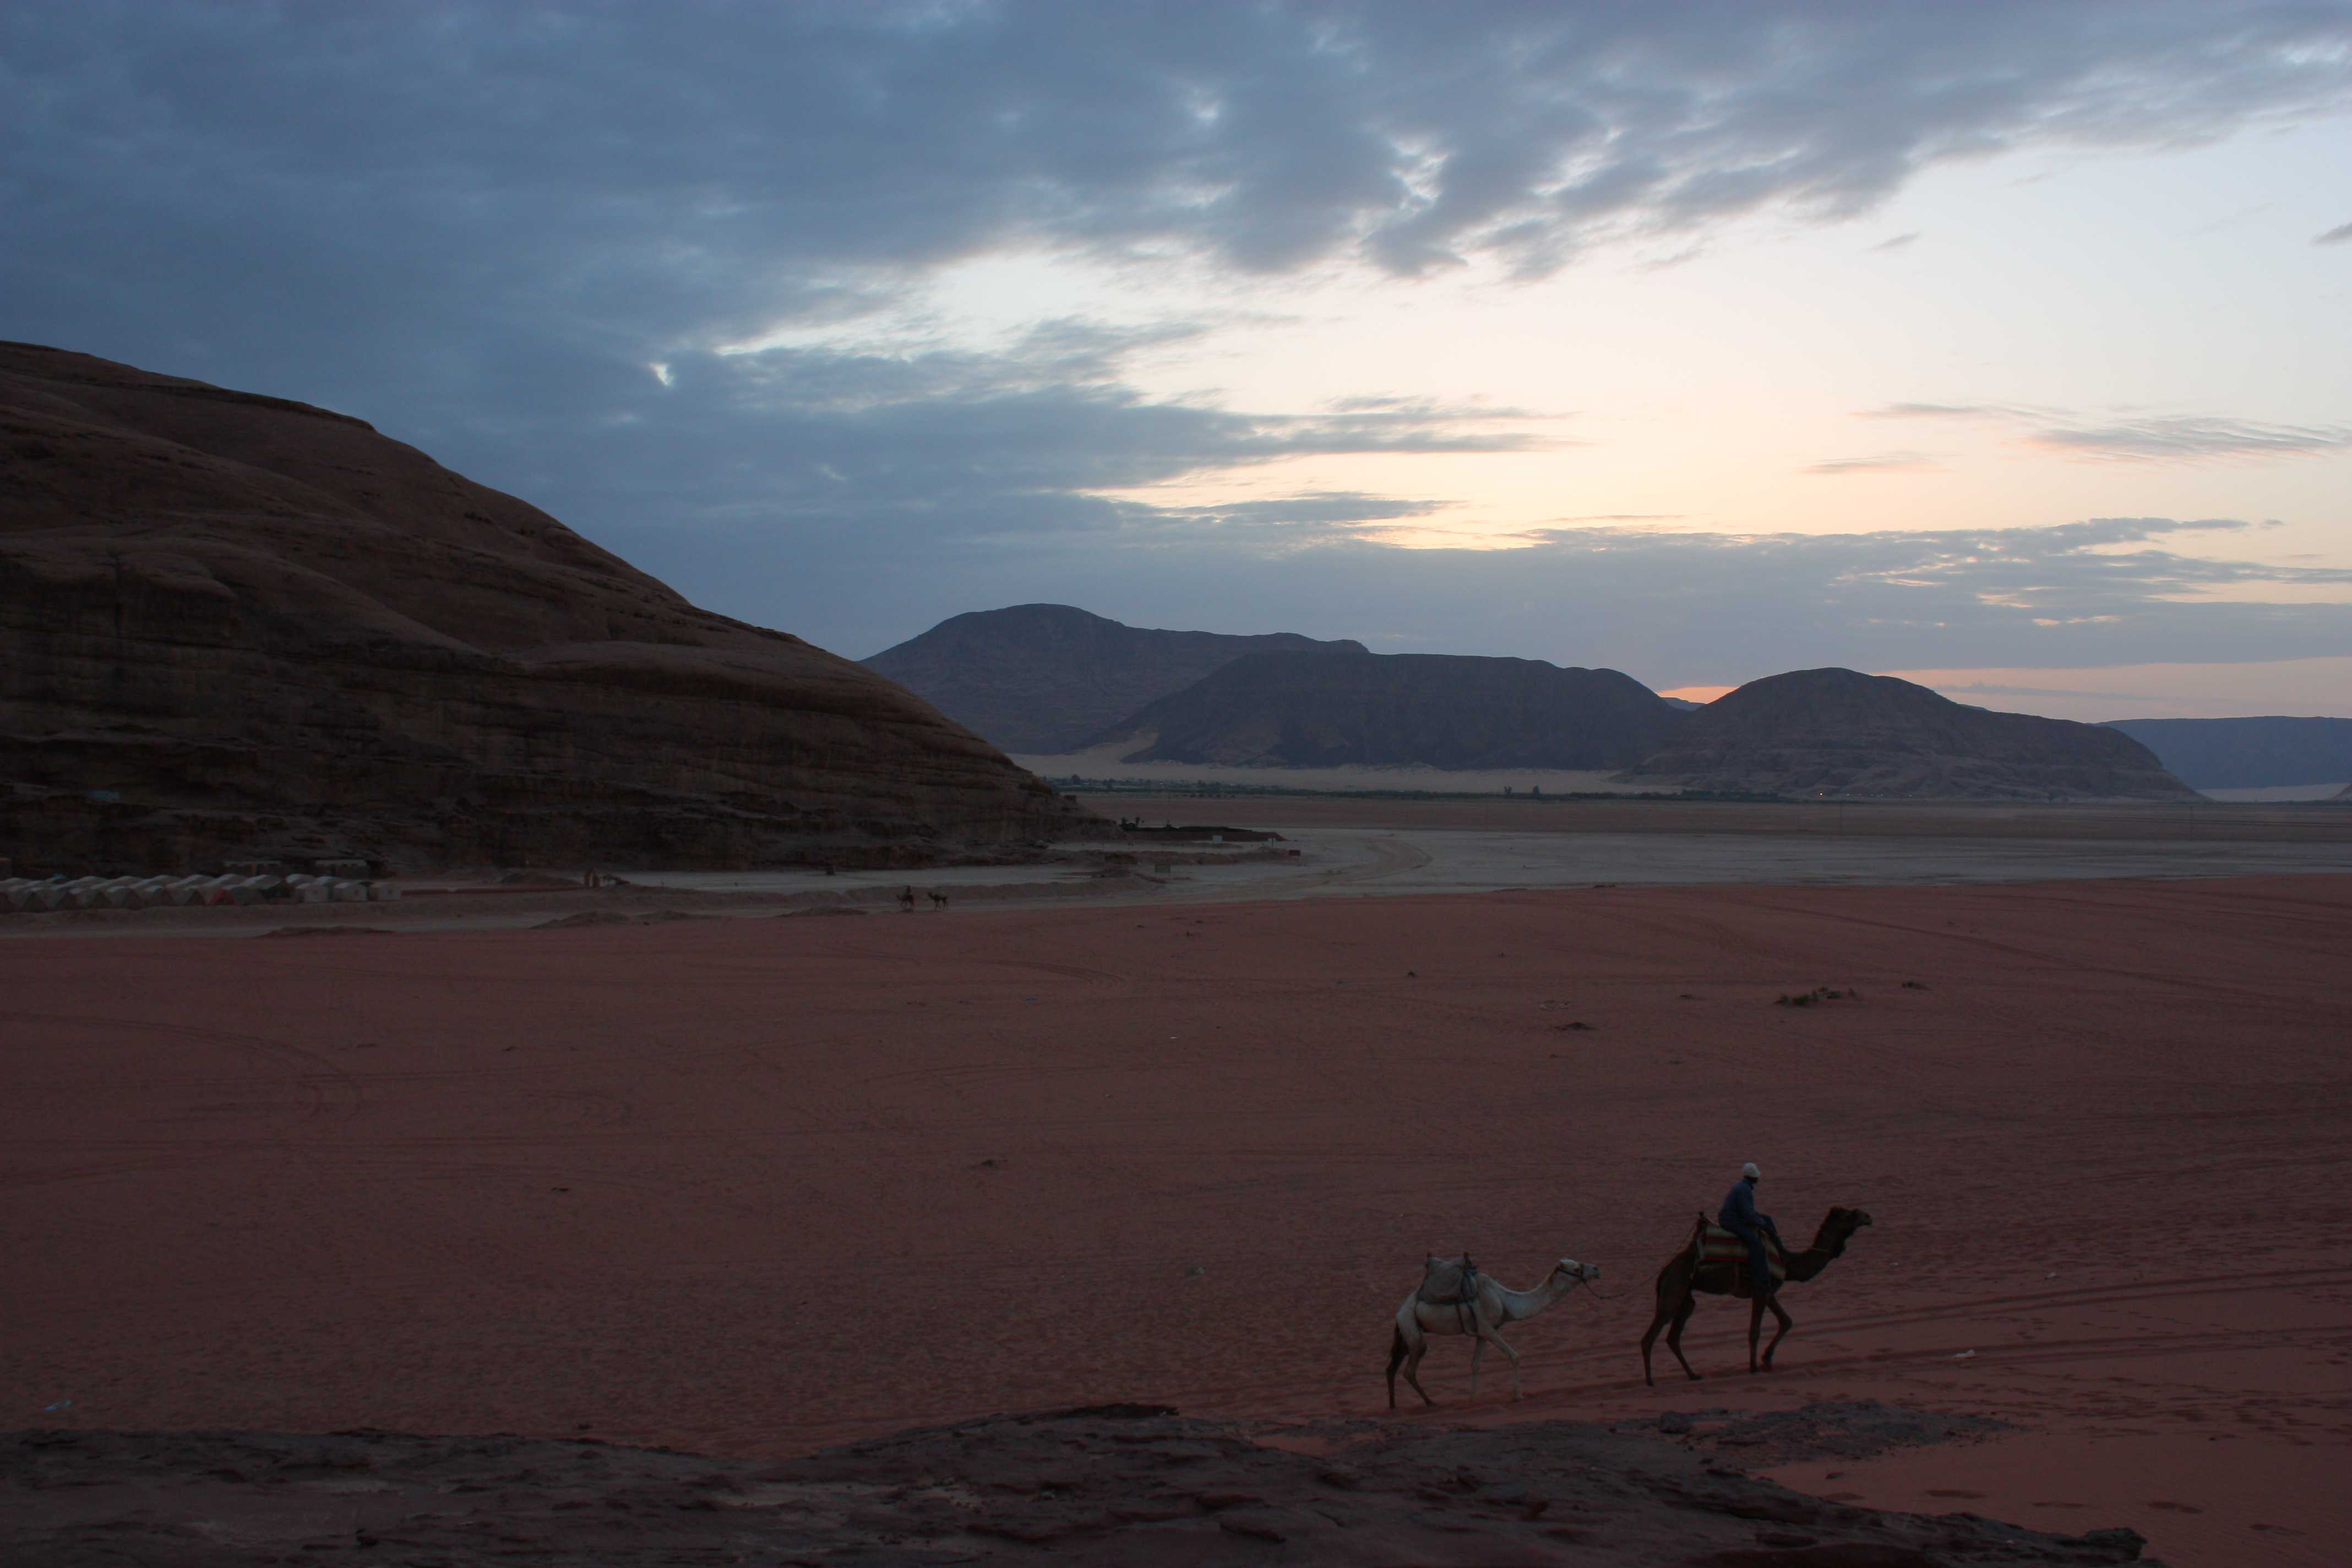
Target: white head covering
(1750,1171)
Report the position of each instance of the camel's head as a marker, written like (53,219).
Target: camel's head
(1569,1271)
(1845,1222)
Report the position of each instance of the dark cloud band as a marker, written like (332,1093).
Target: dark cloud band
(483,226)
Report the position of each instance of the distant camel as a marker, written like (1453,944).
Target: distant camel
(907,900)
(939,900)
(1685,1276)
(1488,1308)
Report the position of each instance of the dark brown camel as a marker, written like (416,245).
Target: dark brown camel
(1681,1282)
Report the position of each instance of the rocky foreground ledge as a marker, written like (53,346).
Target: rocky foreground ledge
(1113,1484)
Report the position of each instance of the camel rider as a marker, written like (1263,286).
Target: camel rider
(1740,1218)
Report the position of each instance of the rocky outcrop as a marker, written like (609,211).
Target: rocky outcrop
(1112,1484)
(1841,733)
(2247,753)
(1290,709)
(233,625)
(1043,680)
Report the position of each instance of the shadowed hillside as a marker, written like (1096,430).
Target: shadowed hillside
(1043,678)
(1288,709)
(231,623)
(1840,733)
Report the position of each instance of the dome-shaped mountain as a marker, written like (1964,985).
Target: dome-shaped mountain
(1841,732)
(1043,678)
(1290,710)
(234,624)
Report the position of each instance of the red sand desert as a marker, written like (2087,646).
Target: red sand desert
(749,1186)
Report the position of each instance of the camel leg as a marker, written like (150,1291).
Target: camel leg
(1478,1349)
(1672,1293)
(1504,1346)
(1754,1328)
(1675,1332)
(1416,1339)
(1413,1370)
(1407,1347)
(1665,1313)
(1773,1301)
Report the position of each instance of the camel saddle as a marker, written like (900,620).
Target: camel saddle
(1448,1281)
(1711,1245)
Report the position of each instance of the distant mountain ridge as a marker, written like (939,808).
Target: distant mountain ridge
(1043,680)
(2247,753)
(1052,679)
(1842,733)
(1293,710)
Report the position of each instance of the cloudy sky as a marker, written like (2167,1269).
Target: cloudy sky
(2007,346)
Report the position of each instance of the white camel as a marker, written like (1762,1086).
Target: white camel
(1488,1310)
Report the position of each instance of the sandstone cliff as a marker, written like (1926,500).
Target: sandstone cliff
(1043,678)
(1838,732)
(231,624)
(1290,710)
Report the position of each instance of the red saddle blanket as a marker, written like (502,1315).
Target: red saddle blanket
(1717,1245)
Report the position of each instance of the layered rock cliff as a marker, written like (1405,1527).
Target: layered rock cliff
(1842,733)
(1043,678)
(231,623)
(1291,710)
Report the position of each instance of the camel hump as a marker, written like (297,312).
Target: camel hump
(1448,1281)
(1717,1245)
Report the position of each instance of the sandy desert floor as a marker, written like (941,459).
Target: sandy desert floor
(1355,847)
(747,1187)
(1102,763)
(1350,846)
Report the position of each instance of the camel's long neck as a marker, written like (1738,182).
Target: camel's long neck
(1828,1245)
(1520,1305)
